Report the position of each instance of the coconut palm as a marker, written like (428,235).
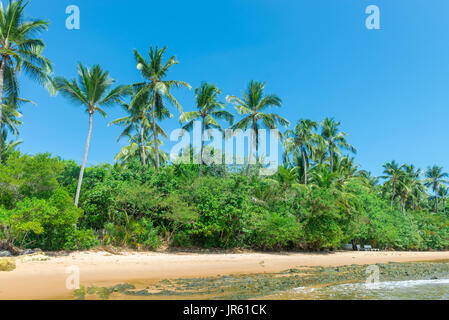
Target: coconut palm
(209,110)
(20,50)
(435,179)
(8,148)
(300,141)
(139,118)
(11,115)
(334,139)
(393,174)
(414,183)
(93,91)
(154,72)
(252,106)
(134,149)
(443,193)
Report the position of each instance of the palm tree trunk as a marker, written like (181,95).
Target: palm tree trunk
(142,146)
(83,165)
(392,195)
(305,165)
(156,143)
(2,73)
(436,201)
(331,157)
(251,147)
(202,148)
(2,128)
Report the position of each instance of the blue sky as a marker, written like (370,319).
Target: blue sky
(389,87)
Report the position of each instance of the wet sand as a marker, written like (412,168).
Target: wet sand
(47,279)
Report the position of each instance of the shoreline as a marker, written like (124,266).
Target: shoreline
(47,279)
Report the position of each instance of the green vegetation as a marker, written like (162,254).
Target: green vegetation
(317,200)
(7,264)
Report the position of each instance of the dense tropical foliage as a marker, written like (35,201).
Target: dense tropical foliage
(318,199)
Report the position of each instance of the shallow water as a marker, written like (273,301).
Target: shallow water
(421,280)
(389,290)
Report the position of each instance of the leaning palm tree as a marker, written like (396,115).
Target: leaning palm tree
(139,118)
(300,141)
(209,109)
(154,72)
(20,50)
(93,91)
(252,106)
(393,174)
(334,139)
(435,179)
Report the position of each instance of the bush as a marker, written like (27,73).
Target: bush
(137,235)
(275,231)
(81,240)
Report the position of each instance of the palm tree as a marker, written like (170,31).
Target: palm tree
(93,91)
(134,149)
(154,72)
(443,193)
(393,173)
(435,179)
(300,140)
(10,117)
(140,119)
(19,50)
(415,184)
(209,109)
(334,139)
(8,149)
(252,106)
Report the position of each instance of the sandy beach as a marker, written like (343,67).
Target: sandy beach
(47,279)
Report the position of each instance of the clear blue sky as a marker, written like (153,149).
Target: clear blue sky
(389,87)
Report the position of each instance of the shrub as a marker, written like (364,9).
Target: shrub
(275,231)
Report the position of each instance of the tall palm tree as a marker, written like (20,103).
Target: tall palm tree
(93,91)
(435,179)
(139,118)
(392,173)
(252,106)
(209,109)
(301,141)
(415,184)
(334,139)
(20,50)
(154,72)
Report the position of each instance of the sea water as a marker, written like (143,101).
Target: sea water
(390,290)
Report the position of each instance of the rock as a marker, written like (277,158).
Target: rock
(30,251)
(35,257)
(5,253)
(26,251)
